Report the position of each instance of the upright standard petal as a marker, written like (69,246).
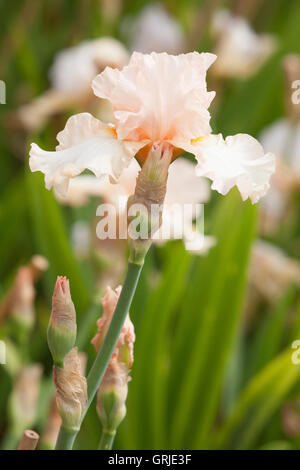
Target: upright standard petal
(85,143)
(236,161)
(159,96)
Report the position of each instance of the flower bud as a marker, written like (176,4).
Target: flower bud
(112,393)
(111,397)
(145,206)
(109,303)
(62,328)
(71,391)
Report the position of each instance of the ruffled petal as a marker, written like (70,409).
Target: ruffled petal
(159,96)
(236,161)
(83,187)
(85,143)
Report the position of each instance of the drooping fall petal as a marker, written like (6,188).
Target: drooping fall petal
(236,161)
(85,143)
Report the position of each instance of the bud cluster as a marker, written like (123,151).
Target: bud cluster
(112,393)
(69,380)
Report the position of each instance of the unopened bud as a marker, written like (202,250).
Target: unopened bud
(112,393)
(71,391)
(147,201)
(62,328)
(109,303)
(111,397)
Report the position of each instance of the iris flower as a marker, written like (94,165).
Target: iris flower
(159,102)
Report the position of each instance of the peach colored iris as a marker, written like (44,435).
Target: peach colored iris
(157,100)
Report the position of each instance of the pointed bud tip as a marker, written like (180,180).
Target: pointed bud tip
(62,286)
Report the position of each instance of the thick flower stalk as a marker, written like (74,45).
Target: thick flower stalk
(71,397)
(160,107)
(112,393)
(62,327)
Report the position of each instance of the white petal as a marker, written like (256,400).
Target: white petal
(85,143)
(236,161)
(83,187)
(81,127)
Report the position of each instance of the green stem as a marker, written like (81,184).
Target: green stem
(107,440)
(65,439)
(110,341)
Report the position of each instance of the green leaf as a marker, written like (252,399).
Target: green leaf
(51,240)
(207,325)
(258,403)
